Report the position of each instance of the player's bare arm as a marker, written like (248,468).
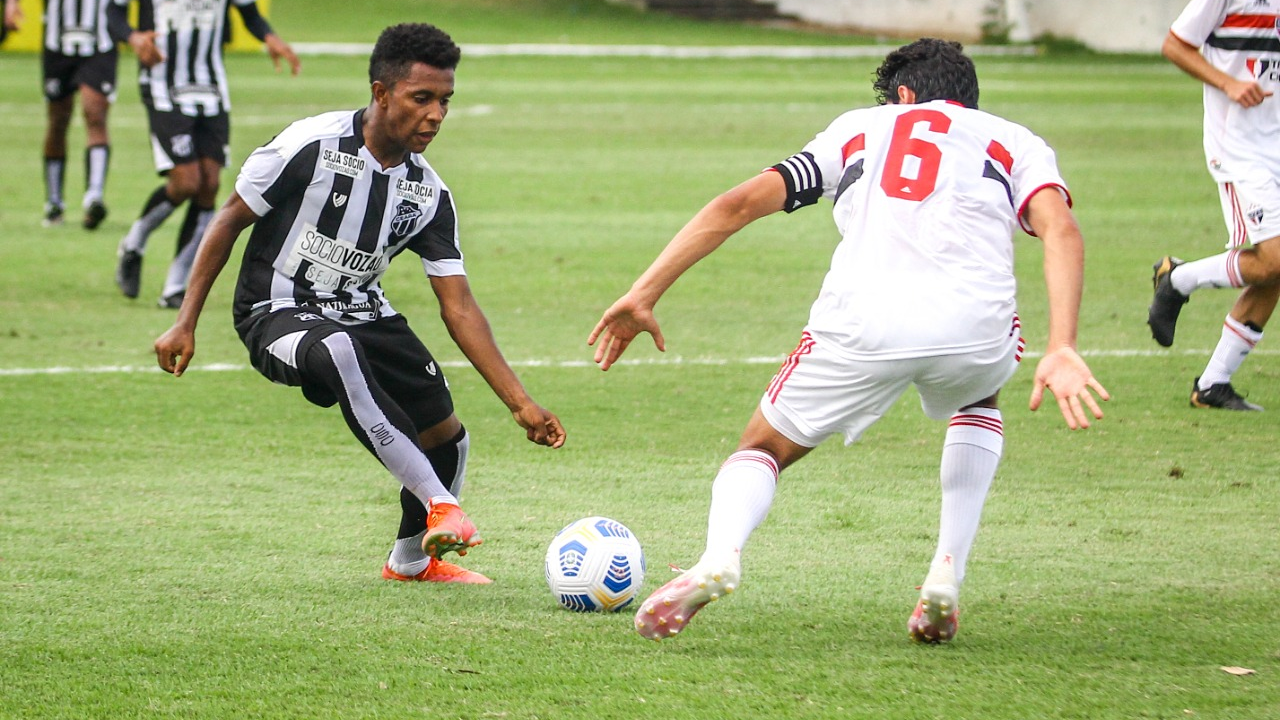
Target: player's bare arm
(279,50)
(1062,371)
(13,15)
(1188,58)
(177,345)
(470,329)
(719,219)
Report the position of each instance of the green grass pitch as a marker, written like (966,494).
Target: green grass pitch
(209,547)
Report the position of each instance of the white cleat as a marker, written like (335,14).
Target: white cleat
(669,609)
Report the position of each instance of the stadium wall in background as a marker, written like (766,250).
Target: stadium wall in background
(30,37)
(1106,25)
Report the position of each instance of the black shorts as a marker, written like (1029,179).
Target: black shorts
(177,139)
(398,361)
(64,74)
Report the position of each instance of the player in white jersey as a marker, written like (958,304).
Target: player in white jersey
(333,199)
(928,191)
(185,92)
(1233,48)
(78,56)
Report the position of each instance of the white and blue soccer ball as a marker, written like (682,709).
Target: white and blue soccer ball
(595,565)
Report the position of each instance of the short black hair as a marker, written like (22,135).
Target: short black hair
(934,69)
(400,46)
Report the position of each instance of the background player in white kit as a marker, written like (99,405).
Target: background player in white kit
(928,192)
(1233,47)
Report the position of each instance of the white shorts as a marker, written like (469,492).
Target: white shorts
(1251,209)
(817,393)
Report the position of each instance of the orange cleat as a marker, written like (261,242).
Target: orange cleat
(449,530)
(439,571)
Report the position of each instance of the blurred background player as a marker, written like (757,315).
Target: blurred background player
(927,193)
(1233,47)
(78,56)
(333,199)
(188,108)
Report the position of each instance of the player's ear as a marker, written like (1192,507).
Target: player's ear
(380,93)
(906,96)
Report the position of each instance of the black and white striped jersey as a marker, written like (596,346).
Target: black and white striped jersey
(191,79)
(332,220)
(77,27)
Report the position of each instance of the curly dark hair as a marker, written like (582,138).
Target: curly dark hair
(935,69)
(400,46)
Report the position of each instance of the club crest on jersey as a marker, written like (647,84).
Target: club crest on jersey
(414,192)
(339,200)
(1255,215)
(406,215)
(343,163)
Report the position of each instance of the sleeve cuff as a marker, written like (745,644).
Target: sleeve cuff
(252,197)
(443,268)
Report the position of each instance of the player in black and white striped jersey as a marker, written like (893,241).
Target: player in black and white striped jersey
(332,200)
(187,103)
(78,56)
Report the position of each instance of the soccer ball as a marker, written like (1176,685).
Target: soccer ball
(595,565)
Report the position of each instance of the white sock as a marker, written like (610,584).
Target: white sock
(970,456)
(407,557)
(180,269)
(740,499)
(1234,346)
(136,239)
(1218,271)
(95,161)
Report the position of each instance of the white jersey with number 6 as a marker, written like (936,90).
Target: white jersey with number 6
(927,199)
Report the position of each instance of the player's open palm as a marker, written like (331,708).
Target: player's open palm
(1066,375)
(620,324)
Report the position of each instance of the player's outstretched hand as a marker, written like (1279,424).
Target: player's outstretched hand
(540,425)
(1066,375)
(174,349)
(278,49)
(620,324)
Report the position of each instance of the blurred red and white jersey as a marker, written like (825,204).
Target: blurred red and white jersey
(927,199)
(1242,39)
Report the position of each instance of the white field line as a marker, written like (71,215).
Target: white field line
(672,361)
(679,52)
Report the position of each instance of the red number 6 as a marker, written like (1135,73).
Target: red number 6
(892,181)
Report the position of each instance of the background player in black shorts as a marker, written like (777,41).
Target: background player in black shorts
(332,200)
(78,56)
(187,107)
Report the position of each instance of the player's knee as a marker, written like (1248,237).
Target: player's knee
(182,186)
(331,359)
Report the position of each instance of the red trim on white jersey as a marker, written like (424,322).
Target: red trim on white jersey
(1263,22)
(1022,211)
(856,144)
(788,366)
(1000,155)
